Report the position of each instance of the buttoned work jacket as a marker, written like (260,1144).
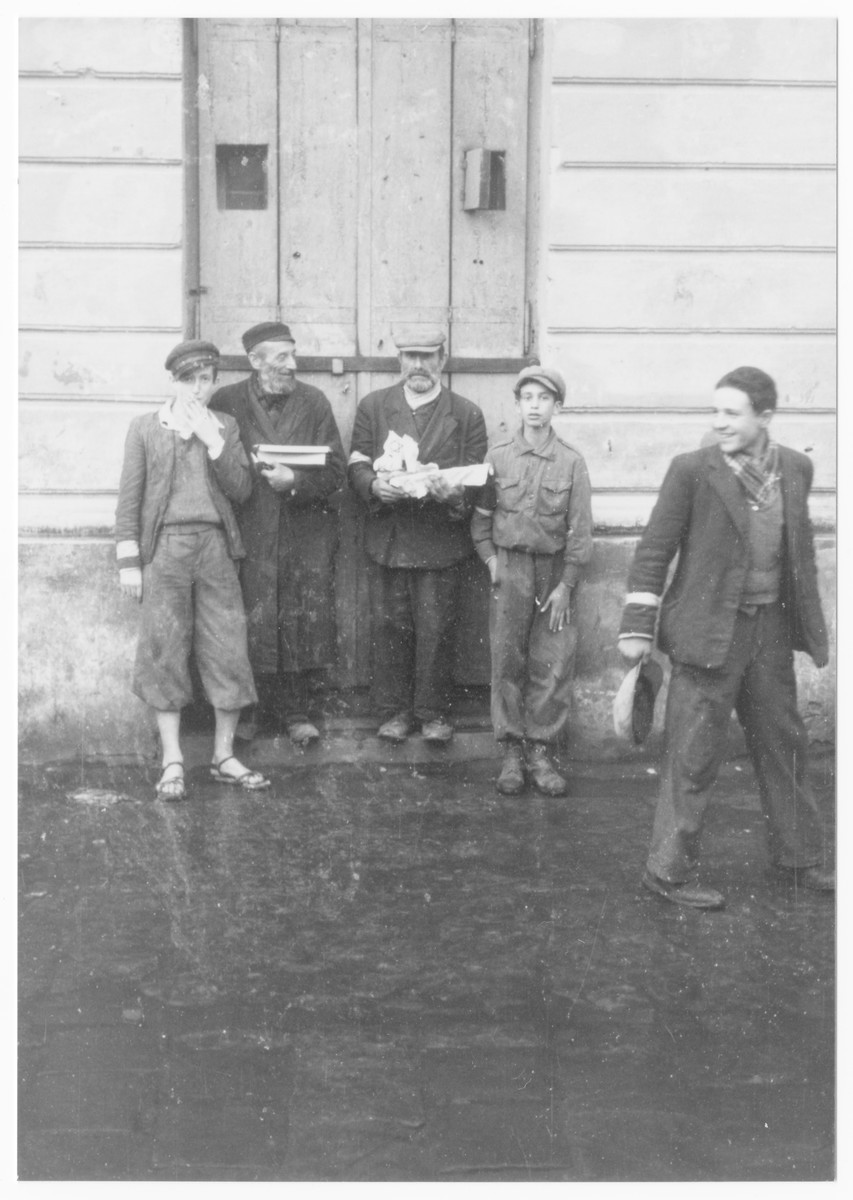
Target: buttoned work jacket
(415,533)
(702,516)
(539,503)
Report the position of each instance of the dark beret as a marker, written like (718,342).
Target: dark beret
(267,331)
(189,356)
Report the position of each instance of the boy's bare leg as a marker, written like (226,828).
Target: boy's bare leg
(171,784)
(223,745)
(169,726)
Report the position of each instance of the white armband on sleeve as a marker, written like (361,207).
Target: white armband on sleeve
(647,598)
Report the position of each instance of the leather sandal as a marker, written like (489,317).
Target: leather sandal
(249,781)
(173,789)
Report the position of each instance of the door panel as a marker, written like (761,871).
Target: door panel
(410,176)
(237,105)
(366,123)
(319,177)
(491,63)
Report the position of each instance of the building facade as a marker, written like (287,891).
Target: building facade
(657,207)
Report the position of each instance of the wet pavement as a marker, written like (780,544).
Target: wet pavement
(386,971)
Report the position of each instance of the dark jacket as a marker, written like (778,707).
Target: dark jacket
(702,515)
(415,533)
(290,537)
(146,481)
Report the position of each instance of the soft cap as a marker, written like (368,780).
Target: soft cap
(189,356)
(267,331)
(547,376)
(634,703)
(421,338)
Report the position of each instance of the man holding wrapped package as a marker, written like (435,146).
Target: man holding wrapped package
(416,544)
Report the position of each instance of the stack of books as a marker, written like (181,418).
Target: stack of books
(292,456)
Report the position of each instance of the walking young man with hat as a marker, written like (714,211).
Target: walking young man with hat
(742,599)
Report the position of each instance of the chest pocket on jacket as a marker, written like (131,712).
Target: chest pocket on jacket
(554,497)
(510,493)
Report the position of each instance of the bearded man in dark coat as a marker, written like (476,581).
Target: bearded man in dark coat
(289,528)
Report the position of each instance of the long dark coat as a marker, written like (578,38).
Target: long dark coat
(702,515)
(290,539)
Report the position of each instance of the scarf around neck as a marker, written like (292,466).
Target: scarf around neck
(758,474)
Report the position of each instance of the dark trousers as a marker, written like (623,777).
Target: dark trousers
(758,682)
(532,665)
(413,625)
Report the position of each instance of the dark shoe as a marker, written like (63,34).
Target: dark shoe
(397,729)
(511,779)
(439,732)
(302,733)
(816,879)
(691,894)
(545,778)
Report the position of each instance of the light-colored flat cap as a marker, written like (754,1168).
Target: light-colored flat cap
(634,703)
(423,338)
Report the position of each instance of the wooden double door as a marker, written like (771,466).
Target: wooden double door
(330,184)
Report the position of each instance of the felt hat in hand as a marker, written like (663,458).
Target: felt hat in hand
(634,703)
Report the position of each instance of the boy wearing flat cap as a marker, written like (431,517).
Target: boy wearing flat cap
(177,542)
(416,546)
(532,527)
(289,528)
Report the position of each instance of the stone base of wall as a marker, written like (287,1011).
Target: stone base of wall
(77,637)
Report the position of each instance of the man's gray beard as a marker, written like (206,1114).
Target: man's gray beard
(420,379)
(285,389)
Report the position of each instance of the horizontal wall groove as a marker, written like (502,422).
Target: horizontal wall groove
(81,160)
(628,248)
(102,536)
(681,81)
(101,329)
(588,165)
(665,410)
(85,398)
(602,410)
(638,490)
(686,330)
(85,73)
(99,245)
(652,490)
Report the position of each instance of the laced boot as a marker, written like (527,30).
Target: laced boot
(511,779)
(545,778)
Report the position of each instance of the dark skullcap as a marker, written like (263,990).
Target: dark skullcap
(267,331)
